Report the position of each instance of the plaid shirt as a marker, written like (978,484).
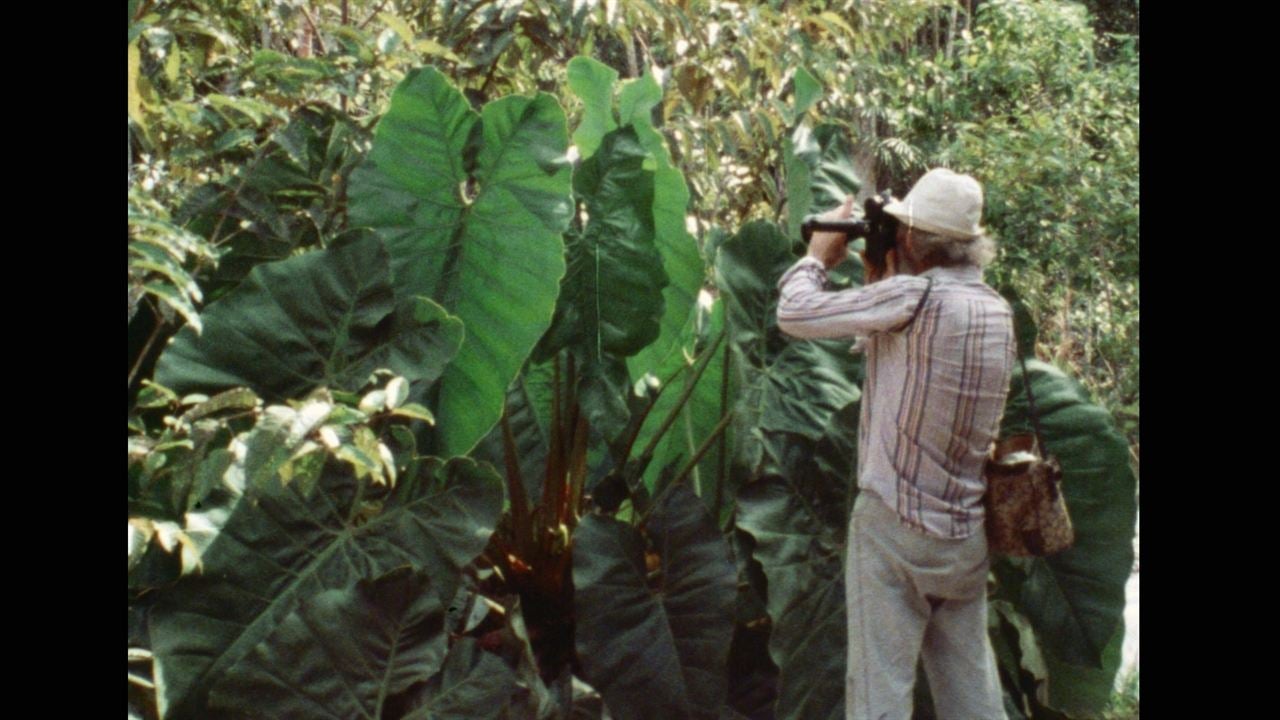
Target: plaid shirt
(934,391)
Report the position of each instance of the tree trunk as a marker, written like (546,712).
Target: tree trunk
(951,30)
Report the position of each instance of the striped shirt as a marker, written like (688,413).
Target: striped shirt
(934,391)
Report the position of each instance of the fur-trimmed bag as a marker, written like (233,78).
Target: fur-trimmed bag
(1026,513)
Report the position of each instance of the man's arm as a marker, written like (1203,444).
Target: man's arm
(806,310)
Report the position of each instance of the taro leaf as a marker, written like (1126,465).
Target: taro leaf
(787,386)
(678,248)
(820,173)
(287,198)
(280,548)
(1075,600)
(700,414)
(1084,691)
(753,677)
(797,520)
(325,318)
(748,266)
(347,652)
(800,552)
(472,685)
(592,81)
(528,431)
(472,208)
(1024,325)
(611,297)
(533,699)
(603,389)
(655,648)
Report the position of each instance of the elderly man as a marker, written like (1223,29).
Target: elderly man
(939,351)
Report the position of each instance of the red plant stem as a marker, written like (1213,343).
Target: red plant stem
(515,488)
(554,479)
(577,472)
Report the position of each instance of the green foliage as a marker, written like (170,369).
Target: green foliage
(786,387)
(286,198)
(327,318)
(676,617)
(611,296)
(162,257)
(486,225)
(398,643)
(301,518)
(205,629)
(1074,601)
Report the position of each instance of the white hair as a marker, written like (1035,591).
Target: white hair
(941,250)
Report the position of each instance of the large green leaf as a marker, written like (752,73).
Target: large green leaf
(611,297)
(820,172)
(700,414)
(325,318)
(592,81)
(801,557)
(655,648)
(787,386)
(348,652)
(472,208)
(798,521)
(1075,600)
(281,547)
(472,685)
(679,250)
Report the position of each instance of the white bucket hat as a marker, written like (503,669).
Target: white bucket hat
(942,202)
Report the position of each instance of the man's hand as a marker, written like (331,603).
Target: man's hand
(832,247)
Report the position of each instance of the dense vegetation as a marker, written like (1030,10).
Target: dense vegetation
(455,389)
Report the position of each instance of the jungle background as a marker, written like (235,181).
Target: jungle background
(264,139)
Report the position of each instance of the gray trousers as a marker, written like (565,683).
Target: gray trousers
(913,596)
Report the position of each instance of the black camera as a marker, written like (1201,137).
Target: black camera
(877,226)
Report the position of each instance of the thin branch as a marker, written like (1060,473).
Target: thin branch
(143,8)
(155,333)
(373,14)
(315,31)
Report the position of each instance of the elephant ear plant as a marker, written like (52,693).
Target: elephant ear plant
(494,451)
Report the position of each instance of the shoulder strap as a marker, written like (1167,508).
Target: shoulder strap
(1031,406)
(919,305)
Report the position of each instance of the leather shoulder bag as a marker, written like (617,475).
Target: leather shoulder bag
(1026,512)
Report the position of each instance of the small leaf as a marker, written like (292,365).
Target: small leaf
(330,438)
(398,25)
(388,462)
(373,402)
(415,412)
(344,415)
(154,395)
(236,399)
(808,91)
(397,392)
